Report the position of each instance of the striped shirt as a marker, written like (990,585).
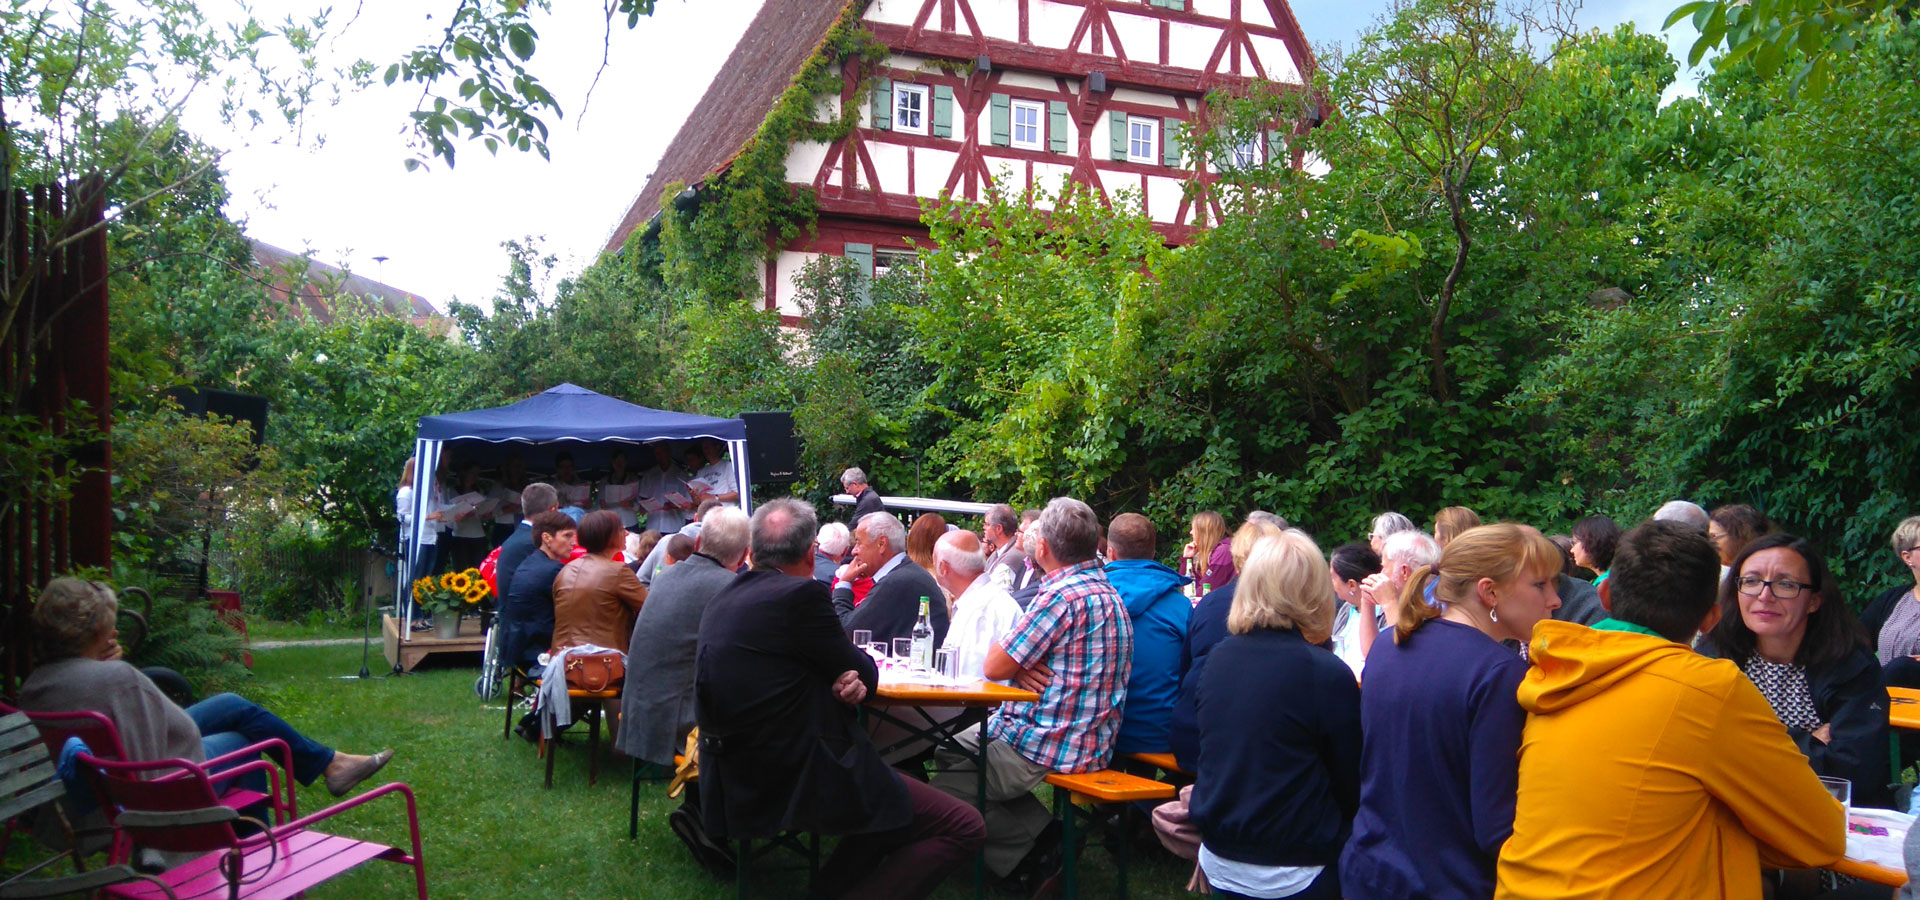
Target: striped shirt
(1077,625)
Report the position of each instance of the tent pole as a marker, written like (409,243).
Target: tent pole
(742,474)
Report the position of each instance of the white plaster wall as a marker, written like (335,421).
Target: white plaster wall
(1051,179)
(1139,34)
(890,164)
(997,18)
(1050,24)
(804,160)
(1276,59)
(785,267)
(1114,182)
(1190,46)
(1013,81)
(930,171)
(1255,12)
(894,12)
(1163,198)
(826,109)
(906,61)
(1151,98)
(1314,165)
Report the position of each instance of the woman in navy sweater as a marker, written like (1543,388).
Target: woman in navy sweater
(1278,778)
(1440,766)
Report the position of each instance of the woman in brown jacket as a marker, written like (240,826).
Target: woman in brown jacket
(595,597)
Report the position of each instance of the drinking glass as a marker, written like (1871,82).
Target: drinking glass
(878,649)
(862,637)
(943,662)
(902,647)
(1841,789)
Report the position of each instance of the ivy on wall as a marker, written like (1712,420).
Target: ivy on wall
(745,213)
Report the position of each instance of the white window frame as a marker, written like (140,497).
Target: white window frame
(1152,140)
(1039,110)
(885,261)
(925,108)
(1247,154)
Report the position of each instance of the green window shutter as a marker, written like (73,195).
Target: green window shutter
(1276,147)
(862,257)
(1001,119)
(882,104)
(942,111)
(1172,141)
(1117,123)
(1175,5)
(1057,125)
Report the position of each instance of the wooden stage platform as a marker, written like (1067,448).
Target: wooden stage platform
(404,655)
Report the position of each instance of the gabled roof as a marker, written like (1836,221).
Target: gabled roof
(770,53)
(294,281)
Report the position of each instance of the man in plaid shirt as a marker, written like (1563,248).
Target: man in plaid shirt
(1073,645)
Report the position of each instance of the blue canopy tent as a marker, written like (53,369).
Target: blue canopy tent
(567,413)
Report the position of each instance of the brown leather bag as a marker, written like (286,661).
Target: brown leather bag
(595,671)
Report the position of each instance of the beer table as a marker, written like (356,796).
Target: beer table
(907,704)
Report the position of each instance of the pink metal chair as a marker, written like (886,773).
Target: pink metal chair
(148,799)
(103,740)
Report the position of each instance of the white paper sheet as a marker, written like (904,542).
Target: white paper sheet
(1883,849)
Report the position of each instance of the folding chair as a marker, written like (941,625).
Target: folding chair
(171,806)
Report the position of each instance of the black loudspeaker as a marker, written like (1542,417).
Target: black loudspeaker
(772,449)
(245,408)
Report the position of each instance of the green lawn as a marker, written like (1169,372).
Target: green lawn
(490,829)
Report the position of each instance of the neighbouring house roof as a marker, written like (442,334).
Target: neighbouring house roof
(770,53)
(294,281)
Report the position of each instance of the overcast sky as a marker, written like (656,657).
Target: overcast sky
(349,200)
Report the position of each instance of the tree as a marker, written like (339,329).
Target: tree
(1771,33)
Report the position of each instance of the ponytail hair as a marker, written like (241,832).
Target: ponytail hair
(1504,552)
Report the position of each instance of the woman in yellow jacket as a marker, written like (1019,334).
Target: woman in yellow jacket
(1647,770)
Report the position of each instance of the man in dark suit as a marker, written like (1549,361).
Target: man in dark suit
(865,498)
(893,605)
(775,683)
(535,499)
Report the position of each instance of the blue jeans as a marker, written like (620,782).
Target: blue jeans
(228,722)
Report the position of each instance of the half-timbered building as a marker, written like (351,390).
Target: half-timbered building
(1025,92)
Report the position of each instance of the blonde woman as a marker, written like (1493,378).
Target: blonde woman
(1208,559)
(1279,734)
(1452,522)
(1438,775)
(1206,628)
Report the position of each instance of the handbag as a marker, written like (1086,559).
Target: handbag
(595,671)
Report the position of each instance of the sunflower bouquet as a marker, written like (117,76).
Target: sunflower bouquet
(452,592)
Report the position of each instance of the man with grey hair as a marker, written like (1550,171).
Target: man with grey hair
(781,748)
(1401,554)
(982,611)
(892,605)
(866,500)
(1006,562)
(1684,512)
(1074,646)
(832,551)
(1261,515)
(656,707)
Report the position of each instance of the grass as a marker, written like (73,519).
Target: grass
(491,830)
(262,629)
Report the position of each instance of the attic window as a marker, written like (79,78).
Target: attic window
(910,108)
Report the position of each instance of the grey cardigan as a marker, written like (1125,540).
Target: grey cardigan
(656,705)
(150,725)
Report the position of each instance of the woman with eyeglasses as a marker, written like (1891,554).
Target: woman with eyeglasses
(1892,620)
(1785,624)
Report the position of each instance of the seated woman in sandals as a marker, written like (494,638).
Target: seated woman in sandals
(80,669)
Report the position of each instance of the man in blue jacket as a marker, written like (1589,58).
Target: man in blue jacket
(1159,614)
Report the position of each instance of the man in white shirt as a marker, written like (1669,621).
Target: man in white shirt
(983,612)
(715,479)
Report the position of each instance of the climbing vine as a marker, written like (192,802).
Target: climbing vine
(747,211)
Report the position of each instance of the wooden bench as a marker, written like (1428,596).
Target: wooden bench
(595,710)
(1072,791)
(1162,761)
(804,843)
